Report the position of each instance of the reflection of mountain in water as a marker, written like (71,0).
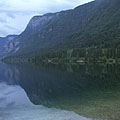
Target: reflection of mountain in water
(15,105)
(9,74)
(12,96)
(94,88)
(45,85)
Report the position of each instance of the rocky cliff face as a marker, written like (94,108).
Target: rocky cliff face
(7,44)
(39,21)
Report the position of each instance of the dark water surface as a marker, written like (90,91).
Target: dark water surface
(92,91)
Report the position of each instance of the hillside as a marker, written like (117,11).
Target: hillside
(95,24)
(103,30)
(47,31)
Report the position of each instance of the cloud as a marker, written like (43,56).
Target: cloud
(2,20)
(15,14)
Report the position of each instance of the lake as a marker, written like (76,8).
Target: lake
(59,92)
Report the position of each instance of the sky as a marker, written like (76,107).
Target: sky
(15,14)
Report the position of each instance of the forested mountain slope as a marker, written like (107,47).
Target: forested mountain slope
(95,24)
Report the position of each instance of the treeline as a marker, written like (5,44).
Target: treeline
(99,55)
(79,55)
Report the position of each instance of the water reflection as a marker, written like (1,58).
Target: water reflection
(46,84)
(11,96)
(9,74)
(89,90)
(15,105)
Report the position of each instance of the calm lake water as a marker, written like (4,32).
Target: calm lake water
(59,92)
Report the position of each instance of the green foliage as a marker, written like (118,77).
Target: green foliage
(90,31)
(81,55)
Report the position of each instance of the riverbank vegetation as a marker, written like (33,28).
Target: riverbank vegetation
(78,55)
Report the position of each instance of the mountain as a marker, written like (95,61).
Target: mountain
(6,44)
(95,24)
(103,30)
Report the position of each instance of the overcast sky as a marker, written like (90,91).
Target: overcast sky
(15,14)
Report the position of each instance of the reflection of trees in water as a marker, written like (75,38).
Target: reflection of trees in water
(44,84)
(55,81)
(89,90)
(10,74)
(71,87)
